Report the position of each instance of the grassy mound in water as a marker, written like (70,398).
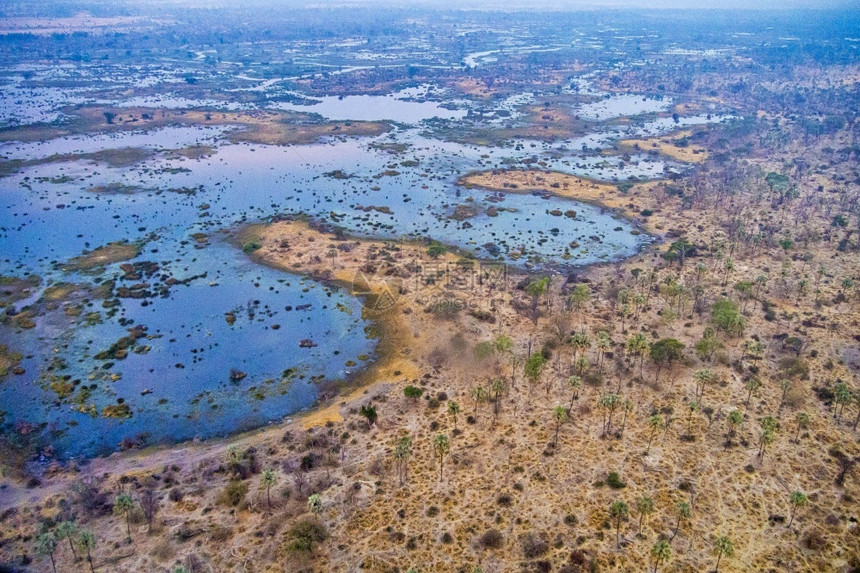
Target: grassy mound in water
(102,256)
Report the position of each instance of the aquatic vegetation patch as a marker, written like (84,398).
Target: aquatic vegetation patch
(119,349)
(103,256)
(9,360)
(13,289)
(117,411)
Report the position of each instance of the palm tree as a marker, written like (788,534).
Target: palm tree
(604,343)
(802,420)
(786,386)
(575,383)
(798,499)
(765,439)
(497,388)
(580,343)
(842,395)
(46,544)
(627,407)
(441,446)
(504,345)
(618,511)
(728,266)
(268,479)
(644,506)
(723,546)
(683,509)
(691,408)
(609,402)
(453,410)
(760,281)
(479,394)
(703,377)
(581,364)
(87,540)
(753,384)
(638,303)
(756,349)
(536,289)
(661,552)
(649,280)
(124,504)
(68,530)
(655,422)
(402,452)
(561,416)
(637,346)
(735,418)
(624,313)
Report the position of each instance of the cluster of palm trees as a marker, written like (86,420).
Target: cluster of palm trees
(661,551)
(441,445)
(83,539)
(78,539)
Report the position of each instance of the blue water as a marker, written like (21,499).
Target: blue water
(192,347)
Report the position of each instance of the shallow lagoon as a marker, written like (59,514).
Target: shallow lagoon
(338,180)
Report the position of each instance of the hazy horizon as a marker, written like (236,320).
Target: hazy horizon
(23,7)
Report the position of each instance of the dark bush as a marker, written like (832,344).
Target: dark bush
(534,545)
(492,539)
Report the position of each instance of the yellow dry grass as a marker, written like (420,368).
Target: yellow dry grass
(667,146)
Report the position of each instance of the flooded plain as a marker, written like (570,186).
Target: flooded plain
(190,338)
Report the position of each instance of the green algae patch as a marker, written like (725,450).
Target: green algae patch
(9,360)
(61,387)
(116,411)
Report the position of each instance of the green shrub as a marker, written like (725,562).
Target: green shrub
(234,493)
(305,534)
(614,481)
(412,391)
(251,246)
